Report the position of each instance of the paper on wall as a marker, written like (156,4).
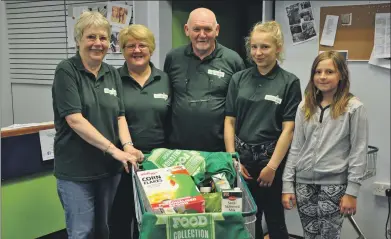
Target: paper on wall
(46,137)
(70,28)
(301,22)
(119,15)
(114,40)
(77,11)
(346,19)
(382,62)
(329,30)
(382,36)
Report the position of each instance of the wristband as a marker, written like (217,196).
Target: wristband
(129,142)
(274,169)
(107,149)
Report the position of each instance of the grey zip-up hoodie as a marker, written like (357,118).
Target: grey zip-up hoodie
(328,151)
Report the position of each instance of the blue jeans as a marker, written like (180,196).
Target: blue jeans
(87,206)
(123,215)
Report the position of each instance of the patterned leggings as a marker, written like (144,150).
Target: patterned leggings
(319,211)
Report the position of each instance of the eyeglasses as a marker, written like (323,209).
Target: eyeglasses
(94,38)
(133,47)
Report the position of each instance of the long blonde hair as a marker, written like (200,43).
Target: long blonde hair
(342,96)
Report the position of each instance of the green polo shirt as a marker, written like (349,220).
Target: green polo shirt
(147,108)
(99,100)
(199,91)
(260,103)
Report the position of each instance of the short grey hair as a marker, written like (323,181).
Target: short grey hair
(90,19)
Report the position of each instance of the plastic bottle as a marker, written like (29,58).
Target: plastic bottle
(205,189)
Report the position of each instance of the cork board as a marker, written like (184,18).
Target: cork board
(357,38)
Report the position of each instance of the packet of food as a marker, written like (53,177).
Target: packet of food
(212,201)
(220,182)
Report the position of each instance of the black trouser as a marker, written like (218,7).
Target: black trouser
(268,199)
(123,213)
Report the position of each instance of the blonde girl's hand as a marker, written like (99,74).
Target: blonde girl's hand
(266,177)
(348,205)
(288,200)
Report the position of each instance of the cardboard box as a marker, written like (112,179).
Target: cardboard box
(171,189)
(181,205)
(232,200)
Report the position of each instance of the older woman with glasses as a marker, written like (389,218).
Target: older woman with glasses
(91,131)
(147,96)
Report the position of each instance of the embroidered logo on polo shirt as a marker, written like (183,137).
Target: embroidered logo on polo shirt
(273,98)
(110,92)
(163,96)
(218,73)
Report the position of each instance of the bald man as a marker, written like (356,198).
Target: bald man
(199,74)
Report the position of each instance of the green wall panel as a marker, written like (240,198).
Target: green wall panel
(30,208)
(179,18)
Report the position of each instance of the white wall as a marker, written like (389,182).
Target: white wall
(372,85)
(157,16)
(5,86)
(267,10)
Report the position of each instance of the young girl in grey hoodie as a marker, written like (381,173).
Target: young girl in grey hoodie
(327,158)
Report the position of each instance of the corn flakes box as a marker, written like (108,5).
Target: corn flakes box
(162,188)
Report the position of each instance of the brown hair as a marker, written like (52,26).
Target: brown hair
(341,97)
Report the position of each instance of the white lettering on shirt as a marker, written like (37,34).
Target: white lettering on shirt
(273,98)
(163,96)
(110,92)
(218,73)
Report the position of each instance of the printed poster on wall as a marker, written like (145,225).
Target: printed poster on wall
(382,35)
(114,40)
(301,22)
(119,15)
